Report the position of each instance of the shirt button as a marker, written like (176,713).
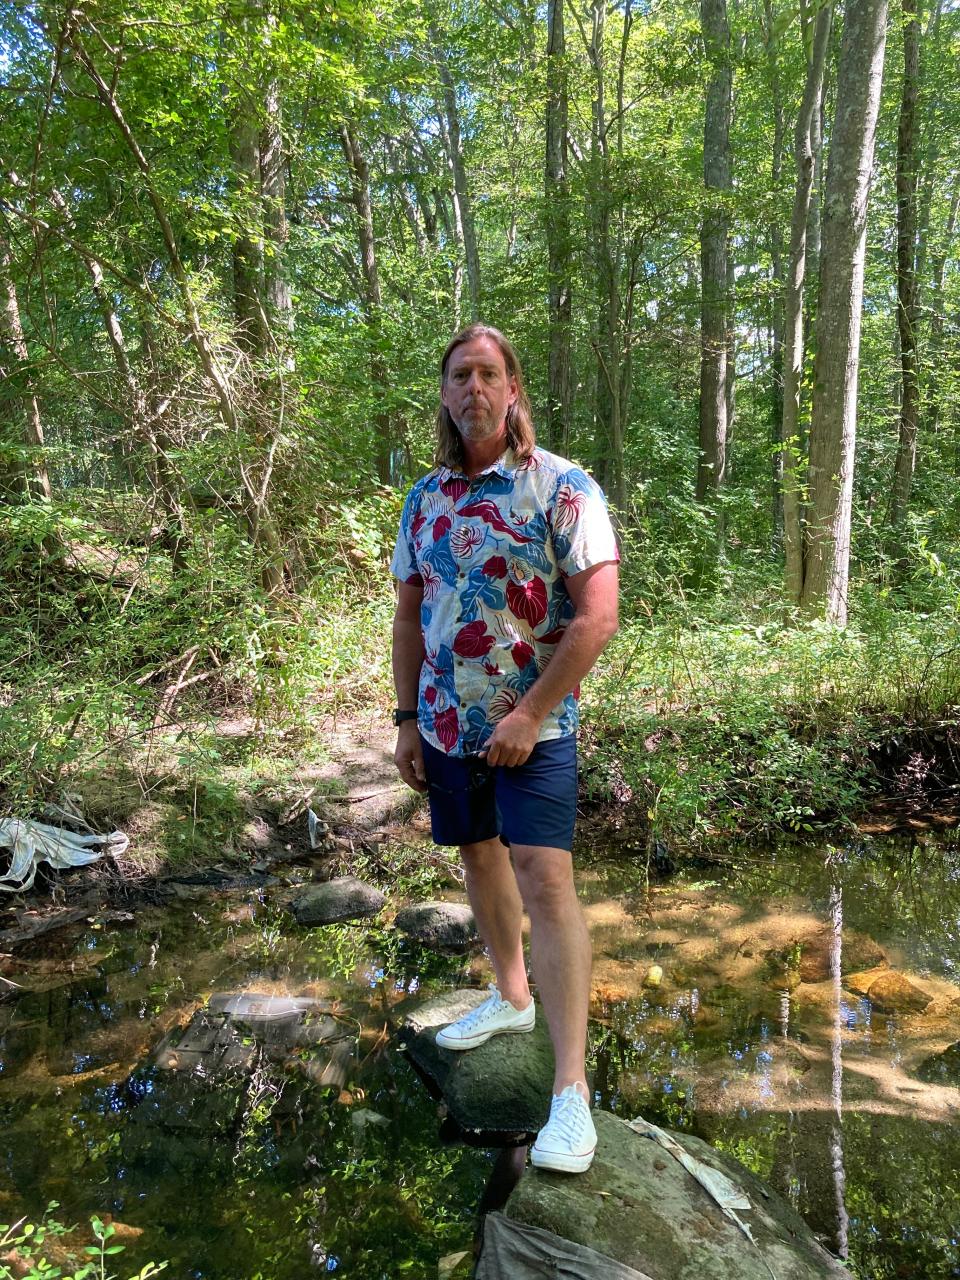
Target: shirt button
(459,662)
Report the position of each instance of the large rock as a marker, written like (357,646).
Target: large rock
(337,900)
(502,1088)
(857,951)
(443,925)
(638,1206)
(893,993)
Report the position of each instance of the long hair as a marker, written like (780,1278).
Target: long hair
(521,436)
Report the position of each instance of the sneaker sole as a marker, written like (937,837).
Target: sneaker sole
(482,1037)
(554,1162)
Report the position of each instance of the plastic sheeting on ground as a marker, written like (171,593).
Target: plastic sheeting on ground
(515,1251)
(34,842)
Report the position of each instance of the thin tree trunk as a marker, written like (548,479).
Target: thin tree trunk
(777,275)
(793,329)
(713,250)
(460,184)
(833,420)
(247,251)
(933,394)
(907,298)
(29,477)
(273,187)
(372,300)
(557,222)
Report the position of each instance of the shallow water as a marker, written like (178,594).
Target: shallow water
(752,1039)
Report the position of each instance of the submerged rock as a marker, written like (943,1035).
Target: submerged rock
(336,901)
(501,1088)
(857,951)
(891,992)
(444,925)
(639,1212)
(942,1068)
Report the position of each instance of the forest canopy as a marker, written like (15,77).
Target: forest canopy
(235,239)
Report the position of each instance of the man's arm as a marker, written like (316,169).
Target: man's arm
(594,593)
(408,655)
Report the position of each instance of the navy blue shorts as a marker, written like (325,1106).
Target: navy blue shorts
(534,803)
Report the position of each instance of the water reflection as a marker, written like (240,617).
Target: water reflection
(761,1037)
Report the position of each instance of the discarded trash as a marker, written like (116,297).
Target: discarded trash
(34,842)
(653,977)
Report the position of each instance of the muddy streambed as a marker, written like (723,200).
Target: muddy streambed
(766,1035)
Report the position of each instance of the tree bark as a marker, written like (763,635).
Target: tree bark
(907,293)
(793,345)
(777,272)
(932,396)
(557,223)
(461,186)
(713,250)
(28,477)
(372,299)
(833,419)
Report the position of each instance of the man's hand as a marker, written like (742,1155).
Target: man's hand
(513,739)
(408,756)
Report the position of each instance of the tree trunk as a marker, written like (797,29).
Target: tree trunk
(938,315)
(805,158)
(460,185)
(833,419)
(247,251)
(273,188)
(372,300)
(29,476)
(775,234)
(557,223)
(713,250)
(907,297)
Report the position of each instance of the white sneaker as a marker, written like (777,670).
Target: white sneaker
(567,1141)
(492,1018)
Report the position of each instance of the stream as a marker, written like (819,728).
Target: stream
(729,1002)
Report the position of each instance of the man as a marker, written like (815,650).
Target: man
(507,571)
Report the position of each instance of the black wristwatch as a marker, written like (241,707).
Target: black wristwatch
(400,716)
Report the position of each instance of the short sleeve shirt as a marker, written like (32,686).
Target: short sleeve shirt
(492,555)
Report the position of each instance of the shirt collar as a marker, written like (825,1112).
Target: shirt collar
(504,466)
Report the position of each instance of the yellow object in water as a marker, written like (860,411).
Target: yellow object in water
(653,977)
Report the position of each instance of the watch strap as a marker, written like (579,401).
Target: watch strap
(400,716)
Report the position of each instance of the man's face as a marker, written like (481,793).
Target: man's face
(477,390)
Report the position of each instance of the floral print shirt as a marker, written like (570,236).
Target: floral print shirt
(492,555)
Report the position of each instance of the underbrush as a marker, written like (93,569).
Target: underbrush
(711,715)
(707,727)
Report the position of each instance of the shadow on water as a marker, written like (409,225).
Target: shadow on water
(761,1032)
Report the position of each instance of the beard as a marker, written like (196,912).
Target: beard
(477,426)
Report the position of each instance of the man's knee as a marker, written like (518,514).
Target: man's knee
(545,877)
(486,856)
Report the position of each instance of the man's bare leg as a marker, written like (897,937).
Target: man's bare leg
(498,910)
(560,954)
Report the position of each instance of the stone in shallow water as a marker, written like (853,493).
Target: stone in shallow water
(857,951)
(439,924)
(501,1088)
(893,993)
(942,1068)
(638,1206)
(336,901)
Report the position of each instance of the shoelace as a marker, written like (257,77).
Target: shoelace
(567,1115)
(483,1011)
